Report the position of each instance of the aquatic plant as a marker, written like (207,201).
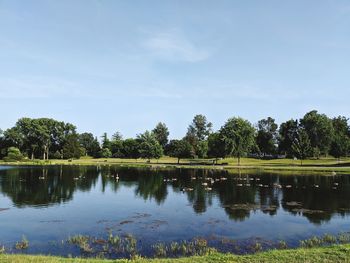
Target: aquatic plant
(195,247)
(159,250)
(327,239)
(257,247)
(82,242)
(282,244)
(113,240)
(344,238)
(311,242)
(23,244)
(78,239)
(330,239)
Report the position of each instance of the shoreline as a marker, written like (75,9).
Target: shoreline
(335,253)
(332,168)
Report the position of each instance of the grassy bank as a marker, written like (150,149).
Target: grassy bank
(319,165)
(338,253)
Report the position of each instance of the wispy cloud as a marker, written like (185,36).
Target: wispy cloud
(175,46)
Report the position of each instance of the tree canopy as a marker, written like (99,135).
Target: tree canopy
(45,138)
(238,136)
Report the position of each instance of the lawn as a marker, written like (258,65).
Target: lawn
(318,165)
(337,253)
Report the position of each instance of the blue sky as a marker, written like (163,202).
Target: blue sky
(126,65)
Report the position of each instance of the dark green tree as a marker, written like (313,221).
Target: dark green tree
(161,132)
(198,132)
(239,137)
(340,145)
(116,145)
(106,143)
(105,153)
(266,138)
(287,133)
(90,144)
(149,147)
(320,131)
(302,145)
(179,149)
(216,146)
(131,148)
(72,148)
(13,155)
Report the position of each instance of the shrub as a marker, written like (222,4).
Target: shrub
(13,155)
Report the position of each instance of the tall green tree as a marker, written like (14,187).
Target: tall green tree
(149,147)
(197,133)
(239,137)
(340,145)
(116,145)
(90,144)
(38,137)
(106,143)
(266,138)
(302,145)
(216,146)
(287,133)
(179,149)
(71,148)
(105,153)
(320,131)
(131,148)
(161,132)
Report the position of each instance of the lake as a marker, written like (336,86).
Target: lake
(230,210)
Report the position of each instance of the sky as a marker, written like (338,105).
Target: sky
(124,66)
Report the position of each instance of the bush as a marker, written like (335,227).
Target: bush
(13,155)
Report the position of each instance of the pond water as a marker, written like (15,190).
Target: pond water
(50,204)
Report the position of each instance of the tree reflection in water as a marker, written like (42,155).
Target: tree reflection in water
(316,197)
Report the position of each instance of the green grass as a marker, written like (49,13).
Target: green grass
(338,253)
(320,165)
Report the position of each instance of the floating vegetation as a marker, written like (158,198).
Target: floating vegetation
(256,247)
(325,240)
(112,245)
(282,244)
(195,247)
(23,244)
(82,242)
(126,246)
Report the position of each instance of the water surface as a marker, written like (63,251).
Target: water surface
(49,204)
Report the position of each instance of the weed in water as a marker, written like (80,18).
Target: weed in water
(282,245)
(23,244)
(159,250)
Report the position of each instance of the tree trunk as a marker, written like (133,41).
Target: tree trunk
(178,160)
(239,160)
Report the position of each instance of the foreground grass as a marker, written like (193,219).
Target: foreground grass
(338,253)
(319,165)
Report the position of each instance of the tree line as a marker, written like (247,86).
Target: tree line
(314,135)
